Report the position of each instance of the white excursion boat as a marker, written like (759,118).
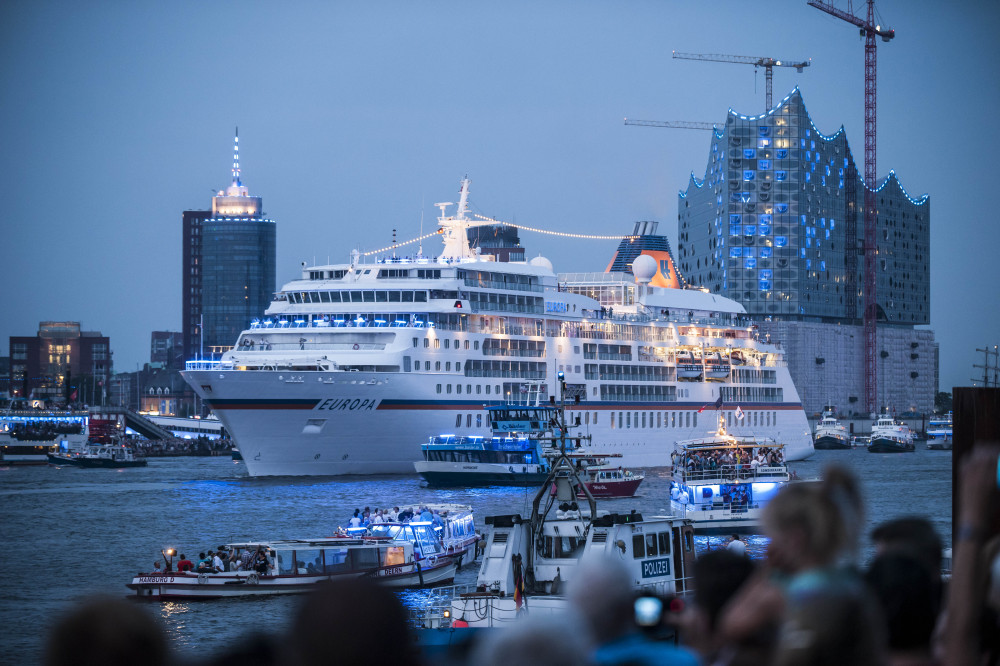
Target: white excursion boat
(890,436)
(456,530)
(404,348)
(722,483)
(831,433)
(415,559)
(527,562)
(939,431)
(28,435)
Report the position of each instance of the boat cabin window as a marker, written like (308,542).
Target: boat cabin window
(310,561)
(664,541)
(286,562)
(335,560)
(561,547)
(651,545)
(393,556)
(426,540)
(638,546)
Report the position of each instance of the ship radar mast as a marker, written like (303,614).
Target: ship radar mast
(453,228)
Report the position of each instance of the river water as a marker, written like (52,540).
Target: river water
(67,533)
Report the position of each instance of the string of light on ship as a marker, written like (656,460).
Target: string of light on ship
(491,220)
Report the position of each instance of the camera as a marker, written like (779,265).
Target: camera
(648,611)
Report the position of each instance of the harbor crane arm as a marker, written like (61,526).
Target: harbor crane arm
(885,33)
(676,124)
(767,63)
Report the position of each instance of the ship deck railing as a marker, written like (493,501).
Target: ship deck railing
(435,610)
(728,473)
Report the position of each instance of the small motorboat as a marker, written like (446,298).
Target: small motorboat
(106,456)
(831,433)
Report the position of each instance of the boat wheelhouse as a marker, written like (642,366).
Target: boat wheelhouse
(416,559)
(721,483)
(890,435)
(403,348)
(454,528)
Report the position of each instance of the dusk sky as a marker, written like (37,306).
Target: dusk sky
(356,117)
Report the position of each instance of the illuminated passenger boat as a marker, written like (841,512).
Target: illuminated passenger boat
(722,483)
(28,435)
(106,456)
(456,531)
(404,348)
(939,433)
(294,567)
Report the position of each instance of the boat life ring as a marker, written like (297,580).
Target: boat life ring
(202,579)
(253,579)
(356,346)
(432,561)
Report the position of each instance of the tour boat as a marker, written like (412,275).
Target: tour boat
(831,433)
(28,435)
(890,436)
(527,562)
(403,348)
(456,530)
(416,559)
(939,434)
(515,454)
(722,483)
(108,456)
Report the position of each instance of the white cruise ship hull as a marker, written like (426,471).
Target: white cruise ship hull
(337,423)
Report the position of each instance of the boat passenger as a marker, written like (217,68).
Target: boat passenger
(246,560)
(157,567)
(393,515)
(355,520)
(260,563)
(204,562)
(185,564)
(217,565)
(425,514)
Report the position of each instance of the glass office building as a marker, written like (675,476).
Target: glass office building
(777,225)
(229,268)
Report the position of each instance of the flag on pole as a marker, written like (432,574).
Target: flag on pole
(739,413)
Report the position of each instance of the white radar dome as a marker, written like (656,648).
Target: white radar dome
(541,262)
(644,268)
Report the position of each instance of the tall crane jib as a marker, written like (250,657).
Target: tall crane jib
(767,63)
(870,30)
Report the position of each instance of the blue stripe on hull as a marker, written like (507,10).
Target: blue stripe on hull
(481,479)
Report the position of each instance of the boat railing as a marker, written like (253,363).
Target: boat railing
(725,473)
(732,508)
(435,611)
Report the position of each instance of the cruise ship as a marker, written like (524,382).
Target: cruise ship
(354,365)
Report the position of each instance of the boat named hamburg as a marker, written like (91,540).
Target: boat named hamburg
(405,348)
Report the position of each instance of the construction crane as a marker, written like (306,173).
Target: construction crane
(767,63)
(676,124)
(869,30)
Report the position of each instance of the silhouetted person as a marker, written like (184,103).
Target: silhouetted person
(107,632)
(353,621)
(908,593)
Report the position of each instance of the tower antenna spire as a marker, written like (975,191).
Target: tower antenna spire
(236,158)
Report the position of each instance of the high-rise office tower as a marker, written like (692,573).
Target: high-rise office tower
(229,267)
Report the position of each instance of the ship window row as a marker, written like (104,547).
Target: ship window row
(641,393)
(738,394)
(447,343)
(628,420)
(493,280)
(754,376)
(651,545)
(603,352)
(629,373)
(505,302)
(513,369)
(437,366)
(447,389)
(474,456)
(337,560)
(357,296)
(511,347)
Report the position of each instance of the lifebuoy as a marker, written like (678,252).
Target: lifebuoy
(202,579)
(432,561)
(253,579)
(356,346)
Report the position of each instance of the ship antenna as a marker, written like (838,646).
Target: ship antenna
(236,158)
(420,248)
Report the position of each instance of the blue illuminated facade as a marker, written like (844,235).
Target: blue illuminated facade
(776,224)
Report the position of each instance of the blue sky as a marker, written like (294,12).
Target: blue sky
(355,117)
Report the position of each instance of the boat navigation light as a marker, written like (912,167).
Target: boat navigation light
(446,614)
(171,551)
